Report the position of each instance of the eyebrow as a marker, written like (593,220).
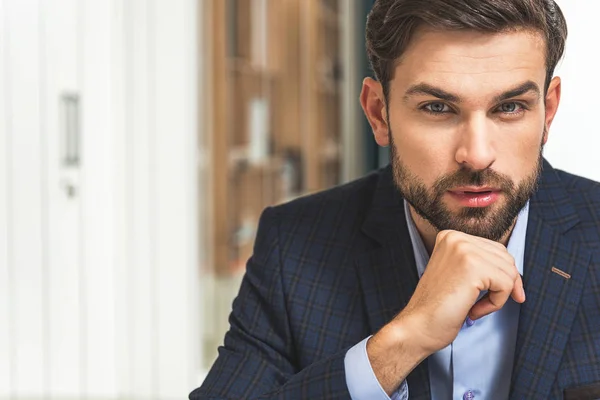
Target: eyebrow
(520,90)
(429,90)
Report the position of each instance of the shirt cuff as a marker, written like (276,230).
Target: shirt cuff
(361,380)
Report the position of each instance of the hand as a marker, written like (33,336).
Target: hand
(460,267)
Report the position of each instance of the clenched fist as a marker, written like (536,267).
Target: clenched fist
(460,268)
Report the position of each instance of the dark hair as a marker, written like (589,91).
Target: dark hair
(391,25)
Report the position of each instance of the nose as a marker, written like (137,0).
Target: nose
(475,148)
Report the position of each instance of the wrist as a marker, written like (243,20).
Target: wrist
(405,335)
(394,352)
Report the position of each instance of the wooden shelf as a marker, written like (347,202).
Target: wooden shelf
(274,110)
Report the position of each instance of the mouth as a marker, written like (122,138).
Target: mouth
(476,197)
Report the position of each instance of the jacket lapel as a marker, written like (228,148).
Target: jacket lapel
(388,274)
(551,306)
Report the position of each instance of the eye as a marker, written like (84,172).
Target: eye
(511,108)
(436,108)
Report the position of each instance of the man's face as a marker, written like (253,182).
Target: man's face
(466,121)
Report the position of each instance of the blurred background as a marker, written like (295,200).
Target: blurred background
(139,142)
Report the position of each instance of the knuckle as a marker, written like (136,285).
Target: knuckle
(455,235)
(513,273)
(498,245)
(465,260)
(461,247)
(443,236)
(508,285)
(495,304)
(511,259)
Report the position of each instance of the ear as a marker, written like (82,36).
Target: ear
(552,102)
(373,104)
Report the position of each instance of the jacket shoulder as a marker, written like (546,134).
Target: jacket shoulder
(327,222)
(585,197)
(355,195)
(583,191)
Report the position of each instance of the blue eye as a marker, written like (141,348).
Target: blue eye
(511,108)
(436,108)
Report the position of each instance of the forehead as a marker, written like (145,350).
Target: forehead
(471,64)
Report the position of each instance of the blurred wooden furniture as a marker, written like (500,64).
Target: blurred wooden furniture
(275,73)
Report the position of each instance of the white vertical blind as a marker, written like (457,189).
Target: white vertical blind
(98,190)
(5,204)
(27,251)
(143,327)
(122,18)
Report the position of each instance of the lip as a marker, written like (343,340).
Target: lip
(474,189)
(475,197)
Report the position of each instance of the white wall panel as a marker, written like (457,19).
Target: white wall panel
(5,203)
(98,199)
(174,23)
(574,143)
(121,139)
(26,218)
(142,151)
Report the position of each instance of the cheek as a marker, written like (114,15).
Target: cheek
(423,145)
(424,158)
(519,153)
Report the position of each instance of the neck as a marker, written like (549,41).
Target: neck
(429,233)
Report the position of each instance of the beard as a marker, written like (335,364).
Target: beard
(491,222)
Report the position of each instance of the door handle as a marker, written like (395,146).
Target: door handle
(70,146)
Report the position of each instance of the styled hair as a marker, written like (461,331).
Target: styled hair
(391,25)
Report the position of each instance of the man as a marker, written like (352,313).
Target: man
(469,268)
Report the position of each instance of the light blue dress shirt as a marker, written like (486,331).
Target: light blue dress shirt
(477,365)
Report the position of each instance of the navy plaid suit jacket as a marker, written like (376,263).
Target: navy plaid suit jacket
(332,268)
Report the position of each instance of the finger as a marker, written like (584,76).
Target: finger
(518,293)
(504,261)
(494,301)
(508,266)
(500,286)
(504,264)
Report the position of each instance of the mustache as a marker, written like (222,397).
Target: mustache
(469,177)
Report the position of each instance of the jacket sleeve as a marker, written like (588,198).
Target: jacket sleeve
(257,360)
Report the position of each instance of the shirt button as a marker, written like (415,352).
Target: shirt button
(469,395)
(469,322)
